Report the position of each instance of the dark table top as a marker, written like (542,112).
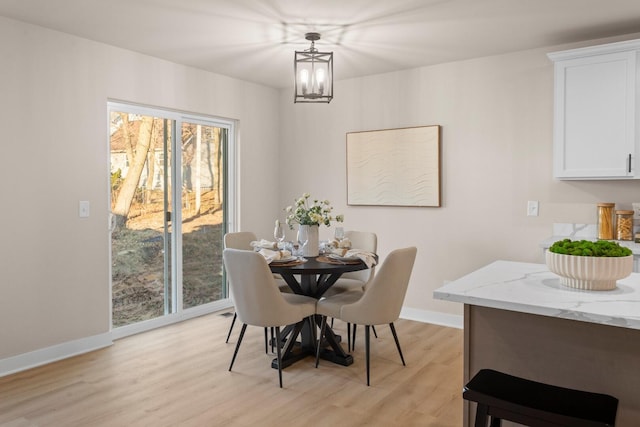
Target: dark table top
(313,266)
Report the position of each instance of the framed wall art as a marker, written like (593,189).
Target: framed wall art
(394,167)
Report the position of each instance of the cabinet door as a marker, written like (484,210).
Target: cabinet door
(594,134)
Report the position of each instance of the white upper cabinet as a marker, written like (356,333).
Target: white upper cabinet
(595,112)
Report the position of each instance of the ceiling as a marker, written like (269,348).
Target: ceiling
(254,40)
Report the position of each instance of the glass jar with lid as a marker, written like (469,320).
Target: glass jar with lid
(624,225)
(605,221)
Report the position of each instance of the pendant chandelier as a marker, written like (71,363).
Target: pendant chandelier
(313,73)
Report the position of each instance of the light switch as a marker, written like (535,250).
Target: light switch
(83,209)
(532,208)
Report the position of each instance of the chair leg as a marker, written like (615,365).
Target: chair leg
(366,351)
(272,340)
(353,338)
(482,415)
(314,325)
(348,337)
(266,341)
(395,337)
(323,326)
(233,321)
(235,353)
(279,351)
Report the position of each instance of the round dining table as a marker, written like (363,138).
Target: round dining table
(317,274)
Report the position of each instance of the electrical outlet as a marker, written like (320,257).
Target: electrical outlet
(532,208)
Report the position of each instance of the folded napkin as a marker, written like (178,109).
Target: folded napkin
(270,255)
(339,251)
(264,244)
(366,256)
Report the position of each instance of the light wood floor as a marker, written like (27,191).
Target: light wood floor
(177,376)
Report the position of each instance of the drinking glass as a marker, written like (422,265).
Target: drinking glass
(339,233)
(278,233)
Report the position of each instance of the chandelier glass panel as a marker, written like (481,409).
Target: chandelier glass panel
(313,73)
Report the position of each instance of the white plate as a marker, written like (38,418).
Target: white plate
(343,258)
(283,260)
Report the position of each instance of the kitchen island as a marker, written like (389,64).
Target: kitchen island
(519,319)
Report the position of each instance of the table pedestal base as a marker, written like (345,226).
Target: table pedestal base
(325,354)
(316,278)
(332,356)
(294,351)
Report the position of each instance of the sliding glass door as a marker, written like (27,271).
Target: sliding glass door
(203,183)
(169,178)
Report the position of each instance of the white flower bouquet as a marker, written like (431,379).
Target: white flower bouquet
(316,213)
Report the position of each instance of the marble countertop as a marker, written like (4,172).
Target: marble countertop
(532,288)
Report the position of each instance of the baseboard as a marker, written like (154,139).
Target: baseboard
(434,317)
(25,361)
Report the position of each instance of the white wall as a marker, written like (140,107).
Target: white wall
(496,115)
(53,109)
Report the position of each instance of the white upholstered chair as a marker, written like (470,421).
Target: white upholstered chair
(258,300)
(239,240)
(380,303)
(356,280)
(364,240)
(242,240)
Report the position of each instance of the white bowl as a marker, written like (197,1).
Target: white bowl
(588,272)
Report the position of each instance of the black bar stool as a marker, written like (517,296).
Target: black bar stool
(505,397)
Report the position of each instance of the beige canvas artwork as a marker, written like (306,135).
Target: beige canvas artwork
(394,167)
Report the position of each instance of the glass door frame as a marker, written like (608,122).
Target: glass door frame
(176,312)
